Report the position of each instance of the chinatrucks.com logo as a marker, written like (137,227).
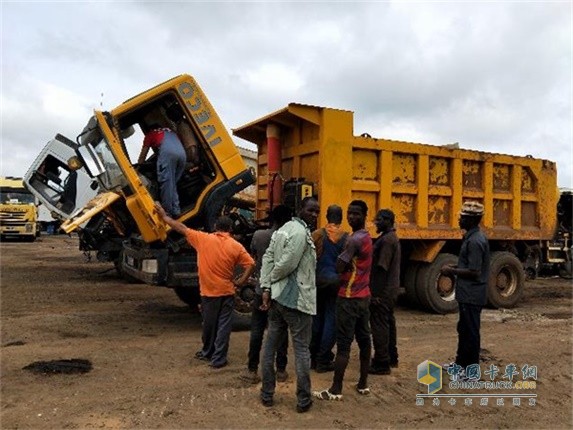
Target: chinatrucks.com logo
(430,374)
(477,384)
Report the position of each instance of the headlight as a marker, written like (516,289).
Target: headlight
(149,266)
(28,227)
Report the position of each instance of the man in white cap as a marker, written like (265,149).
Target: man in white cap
(471,273)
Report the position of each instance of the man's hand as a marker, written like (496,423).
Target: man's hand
(160,210)
(376,300)
(448,270)
(266,301)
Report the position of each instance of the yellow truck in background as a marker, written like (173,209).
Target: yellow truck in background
(98,190)
(18,211)
(425,185)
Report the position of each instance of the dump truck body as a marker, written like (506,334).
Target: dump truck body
(425,186)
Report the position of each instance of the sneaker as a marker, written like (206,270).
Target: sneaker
(267,402)
(302,409)
(326,395)
(324,367)
(282,376)
(362,391)
(250,376)
(382,370)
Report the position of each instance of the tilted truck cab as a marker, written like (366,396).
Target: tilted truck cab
(120,223)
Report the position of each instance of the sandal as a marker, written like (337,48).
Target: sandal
(363,391)
(326,395)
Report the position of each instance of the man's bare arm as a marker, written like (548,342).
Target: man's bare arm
(175,225)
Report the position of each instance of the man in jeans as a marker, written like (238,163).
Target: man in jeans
(288,278)
(280,215)
(352,303)
(329,242)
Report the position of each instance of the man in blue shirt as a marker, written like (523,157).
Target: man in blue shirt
(472,273)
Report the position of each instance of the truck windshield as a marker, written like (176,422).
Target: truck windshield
(98,157)
(112,176)
(16,197)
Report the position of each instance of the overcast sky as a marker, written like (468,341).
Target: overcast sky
(492,76)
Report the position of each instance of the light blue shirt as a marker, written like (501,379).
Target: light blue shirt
(289,267)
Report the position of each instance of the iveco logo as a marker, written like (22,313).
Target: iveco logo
(200,113)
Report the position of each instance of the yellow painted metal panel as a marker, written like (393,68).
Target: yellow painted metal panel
(422,175)
(516,191)
(425,185)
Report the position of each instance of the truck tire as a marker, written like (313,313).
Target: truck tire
(410,274)
(566,270)
(243,307)
(436,292)
(506,280)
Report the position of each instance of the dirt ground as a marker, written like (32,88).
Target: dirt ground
(141,340)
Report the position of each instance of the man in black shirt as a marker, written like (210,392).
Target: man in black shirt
(471,272)
(384,284)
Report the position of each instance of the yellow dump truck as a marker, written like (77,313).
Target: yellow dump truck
(18,211)
(425,185)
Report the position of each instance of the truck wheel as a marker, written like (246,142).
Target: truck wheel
(506,280)
(410,275)
(436,292)
(566,270)
(243,308)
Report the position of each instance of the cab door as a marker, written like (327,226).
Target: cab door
(60,189)
(137,198)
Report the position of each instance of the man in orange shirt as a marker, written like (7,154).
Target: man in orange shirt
(218,254)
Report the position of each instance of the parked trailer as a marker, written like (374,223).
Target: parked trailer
(425,185)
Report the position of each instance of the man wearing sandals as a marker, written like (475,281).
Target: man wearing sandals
(352,304)
(288,278)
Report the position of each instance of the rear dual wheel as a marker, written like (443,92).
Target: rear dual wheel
(436,292)
(506,280)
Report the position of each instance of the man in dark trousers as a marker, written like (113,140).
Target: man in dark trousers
(384,285)
(471,273)
(279,215)
(218,254)
(352,303)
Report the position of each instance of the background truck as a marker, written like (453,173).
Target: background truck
(18,211)
(425,186)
